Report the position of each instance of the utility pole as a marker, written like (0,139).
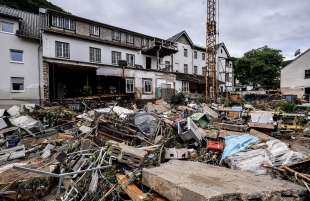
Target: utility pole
(211,33)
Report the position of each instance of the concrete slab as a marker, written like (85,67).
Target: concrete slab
(188,181)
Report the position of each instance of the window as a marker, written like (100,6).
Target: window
(195,54)
(7,27)
(116,36)
(63,23)
(94,30)
(185,52)
(203,56)
(167,64)
(185,68)
(130,60)
(17,84)
(195,70)
(221,50)
(57,21)
(62,50)
(116,56)
(16,55)
(95,55)
(185,86)
(307,74)
(69,24)
(145,42)
(147,86)
(204,71)
(130,85)
(129,38)
(226,77)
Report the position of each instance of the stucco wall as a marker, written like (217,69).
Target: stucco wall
(293,76)
(79,50)
(28,69)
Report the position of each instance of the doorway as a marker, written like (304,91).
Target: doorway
(148,62)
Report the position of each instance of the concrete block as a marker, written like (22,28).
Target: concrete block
(187,181)
(127,154)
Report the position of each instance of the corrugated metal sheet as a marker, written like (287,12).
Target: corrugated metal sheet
(30,24)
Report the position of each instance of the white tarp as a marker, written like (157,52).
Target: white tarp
(263,117)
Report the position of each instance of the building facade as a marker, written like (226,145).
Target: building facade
(189,65)
(65,56)
(295,77)
(20,56)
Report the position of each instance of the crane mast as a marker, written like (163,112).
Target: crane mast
(211,37)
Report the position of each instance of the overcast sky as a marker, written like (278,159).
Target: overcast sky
(244,24)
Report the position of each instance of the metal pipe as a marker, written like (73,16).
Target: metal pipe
(59,175)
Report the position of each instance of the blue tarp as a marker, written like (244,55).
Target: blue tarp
(235,144)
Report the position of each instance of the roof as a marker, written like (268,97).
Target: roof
(30,22)
(99,23)
(178,35)
(299,56)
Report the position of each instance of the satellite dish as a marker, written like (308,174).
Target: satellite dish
(297,52)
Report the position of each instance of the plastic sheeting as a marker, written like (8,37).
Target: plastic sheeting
(263,117)
(280,153)
(251,161)
(272,153)
(235,144)
(146,122)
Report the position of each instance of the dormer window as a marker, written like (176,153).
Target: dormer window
(63,23)
(94,30)
(145,42)
(129,39)
(116,36)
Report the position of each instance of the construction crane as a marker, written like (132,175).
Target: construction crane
(211,41)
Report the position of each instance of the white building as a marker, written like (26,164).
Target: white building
(19,56)
(295,77)
(191,60)
(56,56)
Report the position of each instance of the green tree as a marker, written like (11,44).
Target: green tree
(30,5)
(259,67)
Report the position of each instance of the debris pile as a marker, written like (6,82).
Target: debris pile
(118,153)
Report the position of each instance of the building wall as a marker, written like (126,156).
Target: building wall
(223,64)
(79,50)
(28,69)
(293,79)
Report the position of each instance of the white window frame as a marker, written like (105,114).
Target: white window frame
(130,57)
(17,91)
(15,61)
(94,30)
(116,36)
(185,71)
(63,47)
(130,81)
(185,52)
(94,55)
(185,86)
(130,39)
(150,81)
(203,56)
(195,55)
(195,70)
(114,58)
(145,42)
(5,22)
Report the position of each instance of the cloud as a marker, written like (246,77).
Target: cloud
(244,24)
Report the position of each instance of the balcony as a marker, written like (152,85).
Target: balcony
(160,48)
